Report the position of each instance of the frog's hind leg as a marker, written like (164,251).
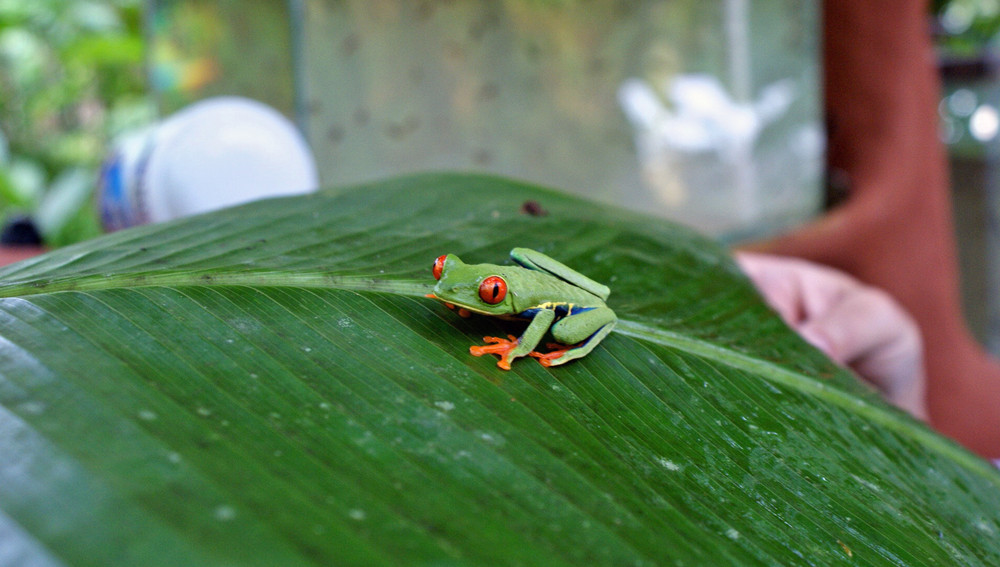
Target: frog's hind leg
(577,332)
(563,354)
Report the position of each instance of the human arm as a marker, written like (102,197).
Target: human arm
(895,230)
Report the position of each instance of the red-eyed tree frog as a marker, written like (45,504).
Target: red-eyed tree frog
(540,289)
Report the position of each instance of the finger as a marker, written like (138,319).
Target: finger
(798,290)
(860,323)
(775,281)
(868,332)
(858,326)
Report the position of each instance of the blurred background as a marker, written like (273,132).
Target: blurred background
(72,75)
(704,111)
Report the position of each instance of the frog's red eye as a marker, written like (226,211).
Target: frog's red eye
(493,290)
(439,266)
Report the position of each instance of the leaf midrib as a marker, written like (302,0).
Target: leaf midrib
(803,383)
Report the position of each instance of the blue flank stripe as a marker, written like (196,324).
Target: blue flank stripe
(562,310)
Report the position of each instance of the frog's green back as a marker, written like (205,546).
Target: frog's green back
(534,260)
(532,288)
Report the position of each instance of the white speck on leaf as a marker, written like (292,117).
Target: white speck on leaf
(32,407)
(867,483)
(492,438)
(668,464)
(146,415)
(357,514)
(224,513)
(445,405)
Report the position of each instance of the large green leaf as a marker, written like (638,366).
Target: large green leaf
(267,385)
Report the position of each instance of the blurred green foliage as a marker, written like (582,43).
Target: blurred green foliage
(967,28)
(71,77)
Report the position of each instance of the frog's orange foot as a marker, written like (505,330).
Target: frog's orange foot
(496,345)
(547,359)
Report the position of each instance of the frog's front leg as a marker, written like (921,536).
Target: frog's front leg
(516,348)
(588,329)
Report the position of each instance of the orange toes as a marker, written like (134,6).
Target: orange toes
(496,345)
(547,359)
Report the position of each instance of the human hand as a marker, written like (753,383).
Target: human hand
(858,326)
